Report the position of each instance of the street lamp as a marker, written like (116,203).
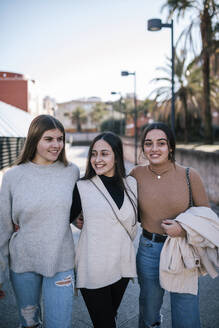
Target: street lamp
(120,108)
(126,73)
(113,121)
(155,24)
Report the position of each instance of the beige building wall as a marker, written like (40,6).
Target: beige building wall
(64,113)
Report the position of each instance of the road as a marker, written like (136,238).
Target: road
(128,313)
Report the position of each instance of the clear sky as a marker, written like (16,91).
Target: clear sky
(77,48)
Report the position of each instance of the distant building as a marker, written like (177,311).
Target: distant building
(49,106)
(19,91)
(64,113)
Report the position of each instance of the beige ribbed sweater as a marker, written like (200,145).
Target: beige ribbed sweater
(167,197)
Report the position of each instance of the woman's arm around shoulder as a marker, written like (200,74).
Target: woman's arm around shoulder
(199,194)
(75,214)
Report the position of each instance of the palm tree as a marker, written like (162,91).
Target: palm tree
(206,11)
(187,88)
(79,116)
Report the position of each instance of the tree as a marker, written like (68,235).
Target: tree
(117,126)
(206,11)
(97,113)
(117,107)
(79,116)
(188,89)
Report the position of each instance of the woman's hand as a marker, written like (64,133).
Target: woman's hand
(79,222)
(173,228)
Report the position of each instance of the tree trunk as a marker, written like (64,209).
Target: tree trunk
(183,98)
(206,33)
(78,124)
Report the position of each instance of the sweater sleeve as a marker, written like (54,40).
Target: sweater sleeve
(198,190)
(76,204)
(6,226)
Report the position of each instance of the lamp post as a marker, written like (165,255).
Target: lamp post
(113,121)
(126,73)
(120,108)
(155,24)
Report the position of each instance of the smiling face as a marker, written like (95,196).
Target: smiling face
(49,147)
(103,159)
(156,147)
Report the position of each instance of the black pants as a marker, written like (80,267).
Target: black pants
(102,303)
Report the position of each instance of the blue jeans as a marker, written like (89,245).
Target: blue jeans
(57,296)
(184,307)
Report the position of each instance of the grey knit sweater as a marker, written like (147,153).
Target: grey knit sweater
(37,198)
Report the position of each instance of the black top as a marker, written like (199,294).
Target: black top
(112,186)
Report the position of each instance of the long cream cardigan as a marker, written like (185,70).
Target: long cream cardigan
(182,260)
(105,251)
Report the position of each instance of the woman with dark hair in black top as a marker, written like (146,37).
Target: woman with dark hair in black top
(105,257)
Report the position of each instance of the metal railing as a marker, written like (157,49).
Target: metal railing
(10,148)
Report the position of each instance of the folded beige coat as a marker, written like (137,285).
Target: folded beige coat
(182,260)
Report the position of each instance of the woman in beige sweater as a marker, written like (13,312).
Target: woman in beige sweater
(105,256)
(165,189)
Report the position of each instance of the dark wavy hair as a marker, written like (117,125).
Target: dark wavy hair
(170,137)
(38,126)
(116,144)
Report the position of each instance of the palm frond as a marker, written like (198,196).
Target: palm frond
(167,70)
(156,79)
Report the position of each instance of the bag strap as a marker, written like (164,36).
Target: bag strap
(190,188)
(111,208)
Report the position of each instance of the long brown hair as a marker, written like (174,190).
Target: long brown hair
(38,126)
(116,144)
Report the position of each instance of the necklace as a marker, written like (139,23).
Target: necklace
(159,175)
